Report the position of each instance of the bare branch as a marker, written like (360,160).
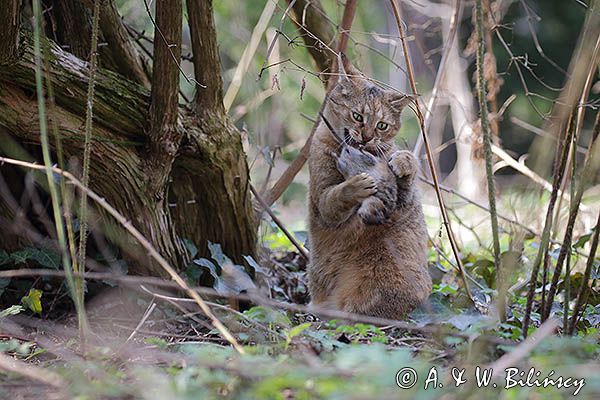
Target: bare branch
(310,17)
(590,169)
(440,76)
(583,289)
(278,222)
(574,86)
(124,57)
(522,350)
(559,170)
(264,301)
(207,66)
(30,371)
(248,54)
(347,19)
(487,145)
(142,241)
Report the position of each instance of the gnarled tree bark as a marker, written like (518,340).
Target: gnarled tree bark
(175,173)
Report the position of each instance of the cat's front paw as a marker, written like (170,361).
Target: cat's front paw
(403,164)
(360,187)
(372,211)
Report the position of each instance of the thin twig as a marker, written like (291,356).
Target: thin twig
(143,320)
(278,222)
(248,54)
(540,132)
(272,44)
(526,171)
(413,85)
(592,159)
(32,372)
(589,169)
(66,196)
(261,300)
(87,152)
(242,316)
(559,170)
(503,217)
(290,173)
(347,18)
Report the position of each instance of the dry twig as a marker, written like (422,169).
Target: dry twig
(278,222)
(257,299)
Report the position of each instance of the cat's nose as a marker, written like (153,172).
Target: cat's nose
(366,137)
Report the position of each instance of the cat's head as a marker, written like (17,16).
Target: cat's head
(363,114)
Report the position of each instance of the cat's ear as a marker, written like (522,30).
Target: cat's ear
(346,68)
(399,100)
(346,71)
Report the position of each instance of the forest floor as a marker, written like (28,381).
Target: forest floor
(151,343)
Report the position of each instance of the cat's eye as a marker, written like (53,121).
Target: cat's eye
(382,126)
(357,117)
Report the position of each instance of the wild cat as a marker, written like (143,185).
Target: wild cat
(368,252)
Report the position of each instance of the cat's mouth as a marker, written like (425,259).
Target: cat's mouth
(350,141)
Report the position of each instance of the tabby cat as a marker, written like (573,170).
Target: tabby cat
(367,231)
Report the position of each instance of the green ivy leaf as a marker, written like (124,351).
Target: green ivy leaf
(33,301)
(44,257)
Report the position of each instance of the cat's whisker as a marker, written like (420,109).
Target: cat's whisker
(385,148)
(380,150)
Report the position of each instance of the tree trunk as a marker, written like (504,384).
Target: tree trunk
(469,172)
(174,173)
(9,34)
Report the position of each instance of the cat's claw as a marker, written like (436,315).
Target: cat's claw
(361,186)
(403,163)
